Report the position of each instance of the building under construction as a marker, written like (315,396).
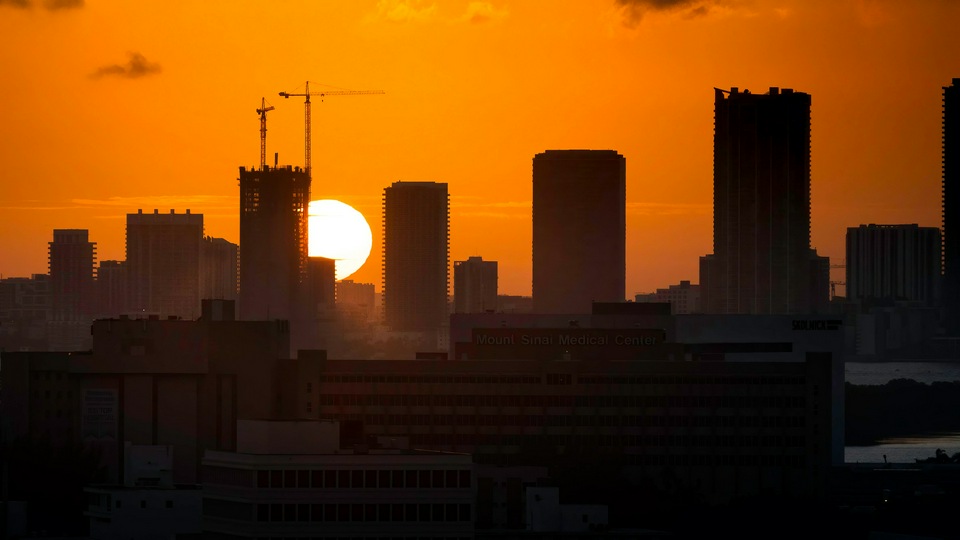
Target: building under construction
(273,240)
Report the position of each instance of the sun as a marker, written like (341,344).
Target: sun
(338,231)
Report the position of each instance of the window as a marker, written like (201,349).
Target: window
(263,479)
(343,479)
(303,479)
(370,479)
(356,479)
(316,479)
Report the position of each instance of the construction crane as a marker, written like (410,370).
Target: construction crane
(306,112)
(833,284)
(262,111)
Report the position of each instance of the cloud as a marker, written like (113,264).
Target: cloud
(633,11)
(405,10)
(51,5)
(138,66)
(481,12)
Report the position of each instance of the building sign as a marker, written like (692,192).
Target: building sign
(99,414)
(817,324)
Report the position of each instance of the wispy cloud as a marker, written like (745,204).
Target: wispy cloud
(481,12)
(405,10)
(162,203)
(633,11)
(137,66)
(51,5)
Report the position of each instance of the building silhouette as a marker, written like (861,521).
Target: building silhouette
(111,288)
(416,255)
(163,263)
(890,263)
(273,241)
(762,261)
(219,269)
(72,280)
(951,207)
(24,313)
(683,297)
(579,229)
(474,285)
(356,302)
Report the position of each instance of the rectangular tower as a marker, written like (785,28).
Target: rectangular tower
(893,263)
(273,241)
(163,263)
(951,208)
(474,285)
(762,261)
(579,230)
(416,255)
(72,275)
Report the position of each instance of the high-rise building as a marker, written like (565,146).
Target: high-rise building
(273,241)
(112,285)
(893,263)
(416,254)
(219,272)
(163,263)
(579,230)
(72,276)
(762,261)
(356,301)
(474,285)
(951,208)
(683,297)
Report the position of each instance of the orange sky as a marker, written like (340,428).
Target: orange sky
(110,106)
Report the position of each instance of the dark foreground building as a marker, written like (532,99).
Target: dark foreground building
(951,208)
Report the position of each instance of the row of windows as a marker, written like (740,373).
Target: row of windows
(419,400)
(717,460)
(583,379)
(340,512)
(342,479)
(518,420)
(619,442)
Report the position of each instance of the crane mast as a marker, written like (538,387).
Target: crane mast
(306,113)
(262,111)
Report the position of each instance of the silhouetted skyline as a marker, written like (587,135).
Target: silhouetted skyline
(473,90)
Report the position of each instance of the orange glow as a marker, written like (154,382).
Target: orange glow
(111,106)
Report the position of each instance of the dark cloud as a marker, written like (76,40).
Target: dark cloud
(634,10)
(52,5)
(136,67)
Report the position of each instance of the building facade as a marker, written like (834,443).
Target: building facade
(219,269)
(683,297)
(579,229)
(163,263)
(951,208)
(72,259)
(416,255)
(762,262)
(474,285)
(894,263)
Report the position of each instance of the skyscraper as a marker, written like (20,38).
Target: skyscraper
(416,254)
(273,241)
(474,285)
(893,262)
(762,261)
(951,208)
(579,230)
(163,263)
(72,275)
(219,275)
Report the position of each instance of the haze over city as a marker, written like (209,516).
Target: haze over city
(114,107)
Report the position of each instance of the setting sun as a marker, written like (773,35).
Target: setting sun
(339,232)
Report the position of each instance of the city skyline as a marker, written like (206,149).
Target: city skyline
(166,128)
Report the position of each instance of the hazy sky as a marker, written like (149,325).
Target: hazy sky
(112,106)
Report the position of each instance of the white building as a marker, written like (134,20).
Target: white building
(148,506)
(291,479)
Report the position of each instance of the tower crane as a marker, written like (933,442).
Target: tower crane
(262,111)
(306,112)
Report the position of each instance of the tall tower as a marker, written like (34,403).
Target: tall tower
(72,297)
(474,285)
(579,230)
(951,208)
(416,254)
(163,263)
(762,261)
(273,241)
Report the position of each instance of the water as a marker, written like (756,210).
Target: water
(906,450)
